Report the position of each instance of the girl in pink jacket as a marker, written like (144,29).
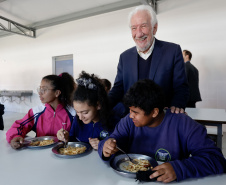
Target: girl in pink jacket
(55,93)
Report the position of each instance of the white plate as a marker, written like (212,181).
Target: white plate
(55,149)
(120,161)
(42,138)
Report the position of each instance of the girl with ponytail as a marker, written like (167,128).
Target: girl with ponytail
(55,93)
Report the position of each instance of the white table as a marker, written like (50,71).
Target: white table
(42,167)
(210,117)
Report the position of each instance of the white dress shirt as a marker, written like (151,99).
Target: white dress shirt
(148,53)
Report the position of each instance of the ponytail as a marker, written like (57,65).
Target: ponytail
(65,83)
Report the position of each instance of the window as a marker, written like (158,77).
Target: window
(63,64)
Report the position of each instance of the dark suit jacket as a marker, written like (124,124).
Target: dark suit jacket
(167,70)
(2,107)
(193,82)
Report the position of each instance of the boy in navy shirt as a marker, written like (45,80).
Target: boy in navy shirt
(175,139)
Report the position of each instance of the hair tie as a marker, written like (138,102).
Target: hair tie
(87,83)
(60,75)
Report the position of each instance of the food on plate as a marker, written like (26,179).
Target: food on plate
(142,165)
(71,150)
(42,143)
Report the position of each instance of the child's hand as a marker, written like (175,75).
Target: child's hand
(63,135)
(165,172)
(109,147)
(17,142)
(94,143)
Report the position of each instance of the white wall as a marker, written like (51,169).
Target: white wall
(199,26)
(96,43)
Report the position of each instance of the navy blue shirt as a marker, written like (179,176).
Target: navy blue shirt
(91,130)
(175,140)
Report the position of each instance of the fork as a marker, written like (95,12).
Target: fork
(65,143)
(131,160)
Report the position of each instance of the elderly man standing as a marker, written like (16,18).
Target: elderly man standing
(152,59)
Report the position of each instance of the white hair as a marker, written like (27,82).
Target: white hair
(146,8)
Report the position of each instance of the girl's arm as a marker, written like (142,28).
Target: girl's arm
(21,127)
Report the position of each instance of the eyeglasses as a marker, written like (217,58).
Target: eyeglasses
(42,91)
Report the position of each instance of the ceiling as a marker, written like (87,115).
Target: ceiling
(36,14)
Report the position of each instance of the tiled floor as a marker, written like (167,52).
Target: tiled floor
(10,117)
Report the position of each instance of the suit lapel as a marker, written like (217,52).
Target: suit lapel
(156,58)
(134,64)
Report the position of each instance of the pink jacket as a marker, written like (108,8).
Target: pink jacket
(43,120)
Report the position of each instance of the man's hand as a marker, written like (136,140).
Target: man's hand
(17,142)
(176,110)
(164,172)
(94,143)
(109,147)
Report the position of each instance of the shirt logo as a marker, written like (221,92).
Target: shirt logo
(104,134)
(162,155)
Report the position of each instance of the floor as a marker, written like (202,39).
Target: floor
(10,117)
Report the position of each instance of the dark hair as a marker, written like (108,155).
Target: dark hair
(65,83)
(146,95)
(107,84)
(91,90)
(188,53)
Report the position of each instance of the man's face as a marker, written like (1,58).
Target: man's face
(142,32)
(185,57)
(139,118)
